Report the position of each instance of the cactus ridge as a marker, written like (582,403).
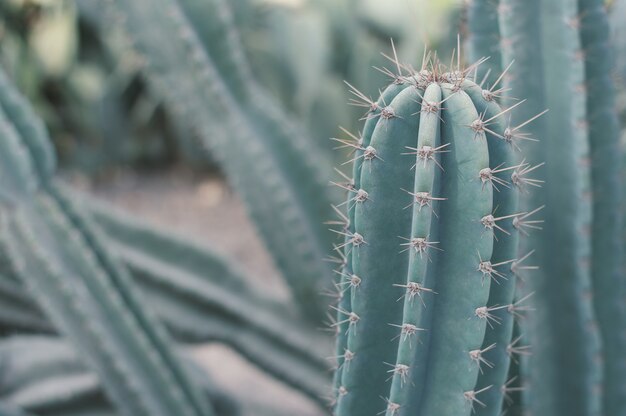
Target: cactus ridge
(432,233)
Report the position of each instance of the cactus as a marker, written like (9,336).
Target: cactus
(83,291)
(574,330)
(200,298)
(484,38)
(278,172)
(433,222)
(44,375)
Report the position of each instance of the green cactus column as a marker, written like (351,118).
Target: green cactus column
(421,242)
(564,373)
(606,167)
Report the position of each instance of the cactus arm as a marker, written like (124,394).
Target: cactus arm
(606,160)
(69,313)
(506,248)
(45,375)
(379,220)
(121,282)
(484,41)
(461,288)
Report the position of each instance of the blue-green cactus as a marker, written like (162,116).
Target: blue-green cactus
(431,249)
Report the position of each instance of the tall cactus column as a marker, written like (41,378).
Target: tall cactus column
(606,164)
(578,350)
(422,253)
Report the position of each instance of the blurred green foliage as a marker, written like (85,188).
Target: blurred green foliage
(79,72)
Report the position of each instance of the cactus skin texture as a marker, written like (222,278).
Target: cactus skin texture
(578,350)
(426,251)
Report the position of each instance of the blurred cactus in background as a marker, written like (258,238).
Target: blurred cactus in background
(478,249)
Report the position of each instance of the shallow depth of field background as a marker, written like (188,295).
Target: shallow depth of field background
(117,140)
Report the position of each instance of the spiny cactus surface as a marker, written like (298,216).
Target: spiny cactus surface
(426,312)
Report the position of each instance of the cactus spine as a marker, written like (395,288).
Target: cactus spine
(435,160)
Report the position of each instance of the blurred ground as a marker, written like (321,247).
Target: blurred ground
(202,207)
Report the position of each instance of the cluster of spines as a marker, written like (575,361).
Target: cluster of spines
(427,160)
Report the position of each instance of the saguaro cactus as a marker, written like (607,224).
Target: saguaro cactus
(425,319)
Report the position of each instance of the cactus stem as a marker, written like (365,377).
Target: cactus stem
(480,126)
